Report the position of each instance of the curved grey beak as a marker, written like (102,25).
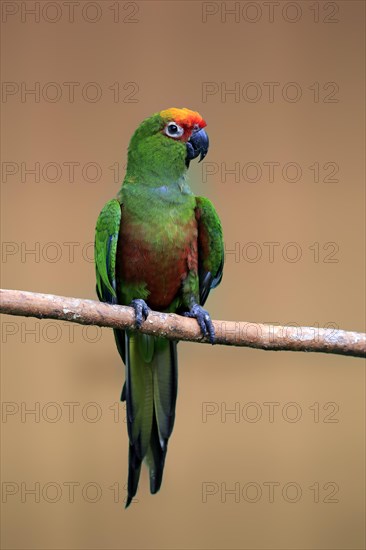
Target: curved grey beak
(197,145)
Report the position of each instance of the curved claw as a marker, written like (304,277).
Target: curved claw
(142,310)
(204,320)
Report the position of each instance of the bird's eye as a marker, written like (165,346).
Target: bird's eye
(174,130)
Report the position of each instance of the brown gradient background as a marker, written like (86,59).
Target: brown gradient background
(169,53)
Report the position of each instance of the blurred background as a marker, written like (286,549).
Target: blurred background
(268,448)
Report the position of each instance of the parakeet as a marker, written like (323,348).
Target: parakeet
(157,246)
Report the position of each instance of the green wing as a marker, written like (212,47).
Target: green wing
(105,248)
(210,247)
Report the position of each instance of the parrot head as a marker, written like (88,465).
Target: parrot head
(166,142)
(187,127)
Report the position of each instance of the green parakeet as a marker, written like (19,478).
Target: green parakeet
(157,246)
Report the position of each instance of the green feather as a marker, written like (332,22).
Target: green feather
(210,247)
(105,247)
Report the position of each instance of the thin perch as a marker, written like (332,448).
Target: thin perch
(176,327)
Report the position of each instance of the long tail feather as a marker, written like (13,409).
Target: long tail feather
(150,392)
(165,373)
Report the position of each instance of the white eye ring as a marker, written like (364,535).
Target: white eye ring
(173,130)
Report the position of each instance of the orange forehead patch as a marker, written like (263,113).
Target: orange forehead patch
(183,117)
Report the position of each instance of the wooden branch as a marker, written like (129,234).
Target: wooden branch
(176,327)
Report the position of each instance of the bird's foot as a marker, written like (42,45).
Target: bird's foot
(142,310)
(204,321)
